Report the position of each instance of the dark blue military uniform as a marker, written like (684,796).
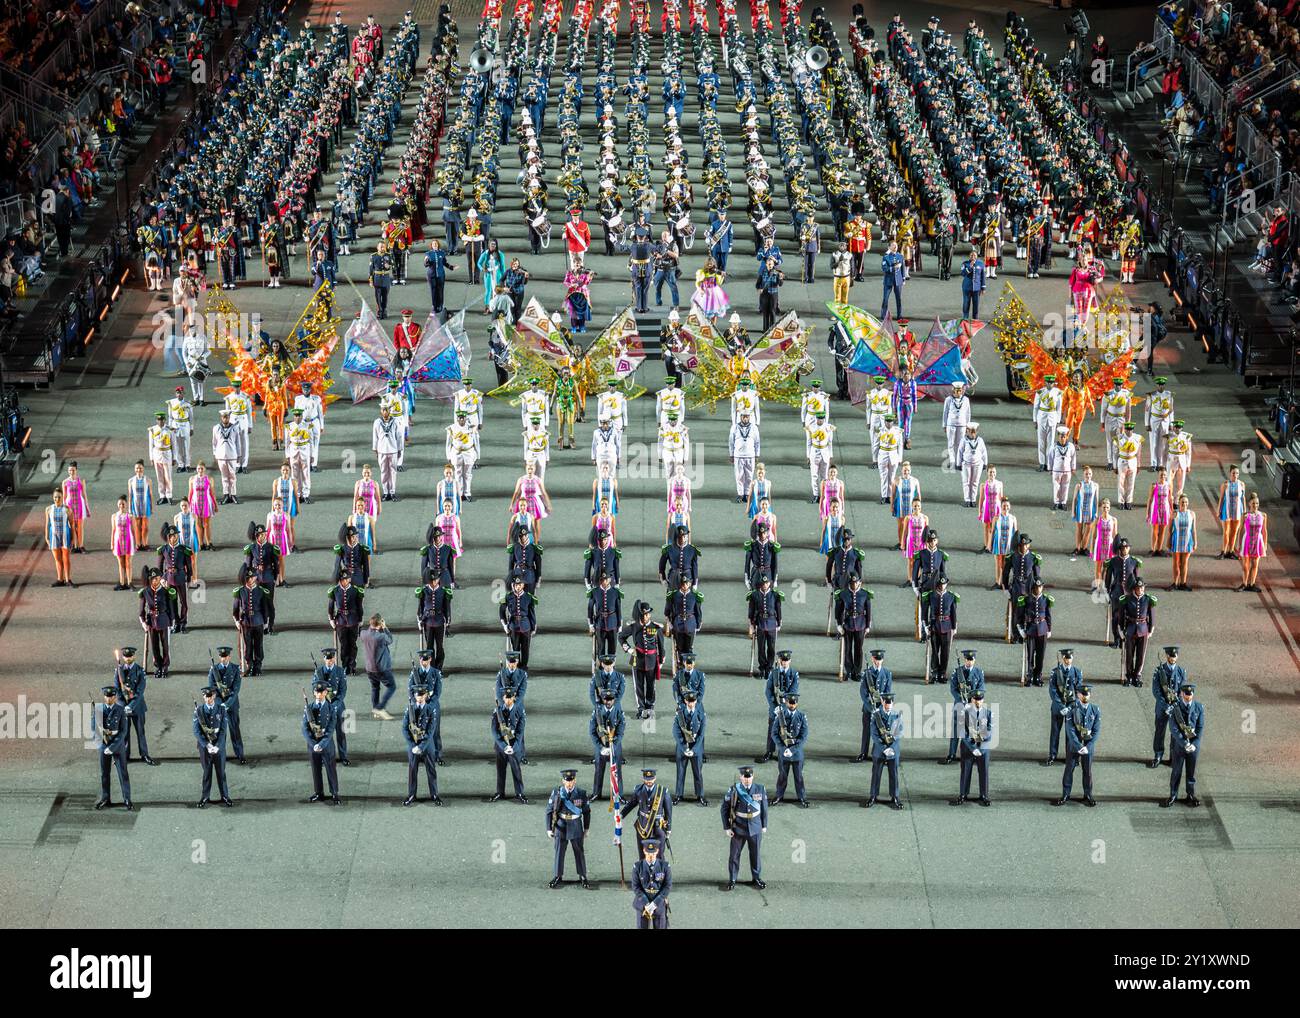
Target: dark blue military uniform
(651,883)
(1082,726)
(568,818)
(976,728)
(518,614)
(110,744)
(654,811)
(939,622)
(744,814)
(130,680)
(965,680)
(524,559)
(1166,680)
(690,678)
(1034,625)
(874,681)
(765,620)
(886,750)
(781,681)
(841,564)
(158,615)
(1061,684)
(440,560)
(507,727)
(210,728)
(688,735)
(224,677)
(425,674)
(761,557)
(601,560)
(677,560)
(318,724)
(335,676)
(353,560)
(418,725)
(1138,619)
(790,733)
(1188,725)
(262,559)
(853,620)
(604,618)
(684,611)
(606,729)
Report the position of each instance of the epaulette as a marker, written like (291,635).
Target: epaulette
(663,548)
(870,593)
(338,549)
(1051,600)
(510,548)
(358,588)
(698,596)
(1153,598)
(587,554)
(945,555)
(748,544)
(264,590)
(1020,599)
(1038,559)
(926,595)
(956,598)
(328,593)
(235,592)
(618,553)
(538,547)
(779,595)
(619,593)
(162,546)
(776,545)
(1123,598)
(1137,560)
(419,591)
(424,549)
(247,548)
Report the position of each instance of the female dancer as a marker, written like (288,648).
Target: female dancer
(1232,507)
(448,489)
(77,499)
(1254,543)
(364,523)
(449,523)
(530,497)
(604,489)
(1159,509)
(187,526)
(709,298)
(121,538)
(139,494)
(678,514)
(990,506)
(1084,277)
(58,537)
(577,283)
(679,486)
(279,531)
(285,488)
(759,490)
(764,515)
(274,402)
(367,489)
(1103,540)
(1182,542)
(492,266)
(1086,495)
(832,527)
(833,490)
(203,502)
(1004,532)
(603,519)
(905,490)
(916,523)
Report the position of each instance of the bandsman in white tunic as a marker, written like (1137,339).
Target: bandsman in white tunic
(889,455)
(670,399)
(537,445)
(241,413)
(180,421)
(972,459)
(674,444)
(1159,416)
(607,446)
(819,447)
(1047,416)
(297,450)
(161,455)
(194,352)
(1062,461)
(392,402)
(1115,408)
(462,448)
(814,399)
(1128,460)
(386,442)
(744,447)
(534,402)
(313,415)
(1178,458)
(956,415)
(612,406)
(468,401)
(745,401)
(879,406)
(228,450)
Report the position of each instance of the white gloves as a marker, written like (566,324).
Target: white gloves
(212,749)
(788,753)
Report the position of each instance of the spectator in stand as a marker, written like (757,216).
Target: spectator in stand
(63,219)
(1171,85)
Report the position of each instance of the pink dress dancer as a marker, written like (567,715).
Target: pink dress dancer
(1083,290)
(1159,513)
(74,497)
(277,531)
(679,487)
(914,528)
(990,501)
(449,524)
(1252,535)
(1104,539)
(831,490)
(123,538)
(369,491)
(530,498)
(202,501)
